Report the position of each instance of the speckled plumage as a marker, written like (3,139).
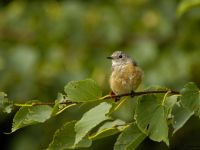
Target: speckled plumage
(126,76)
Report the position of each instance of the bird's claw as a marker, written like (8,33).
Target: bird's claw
(132,94)
(117,98)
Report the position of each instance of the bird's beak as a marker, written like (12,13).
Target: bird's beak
(110,57)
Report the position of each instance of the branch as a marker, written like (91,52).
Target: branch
(140,93)
(112,95)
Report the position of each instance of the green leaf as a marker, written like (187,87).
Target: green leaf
(190,98)
(4,103)
(105,133)
(130,138)
(60,98)
(56,107)
(151,116)
(156,88)
(83,91)
(170,101)
(111,124)
(180,116)
(28,115)
(108,129)
(186,5)
(90,119)
(114,107)
(160,96)
(65,138)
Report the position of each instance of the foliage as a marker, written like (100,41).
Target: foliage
(31,115)
(82,91)
(151,116)
(46,44)
(4,103)
(130,138)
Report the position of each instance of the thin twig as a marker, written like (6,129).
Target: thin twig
(113,96)
(146,92)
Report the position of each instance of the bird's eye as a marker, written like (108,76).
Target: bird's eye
(120,56)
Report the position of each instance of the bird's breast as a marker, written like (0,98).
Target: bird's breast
(125,78)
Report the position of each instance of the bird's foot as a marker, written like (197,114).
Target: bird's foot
(117,98)
(132,94)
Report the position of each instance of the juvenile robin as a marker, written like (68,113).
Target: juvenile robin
(126,76)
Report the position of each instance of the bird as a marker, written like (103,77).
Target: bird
(126,76)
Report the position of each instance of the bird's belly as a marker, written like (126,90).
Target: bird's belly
(126,81)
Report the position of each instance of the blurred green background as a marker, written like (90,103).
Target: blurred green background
(46,44)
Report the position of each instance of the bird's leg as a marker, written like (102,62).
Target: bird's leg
(118,97)
(132,94)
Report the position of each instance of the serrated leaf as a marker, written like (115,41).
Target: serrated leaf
(108,129)
(64,138)
(151,117)
(186,5)
(190,98)
(83,91)
(90,119)
(180,116)
(28,115)
(4,103)
(130,138)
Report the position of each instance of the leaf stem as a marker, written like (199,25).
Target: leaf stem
(119,105)
(165,97)
(146,92)
(65,108)
(21,105)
